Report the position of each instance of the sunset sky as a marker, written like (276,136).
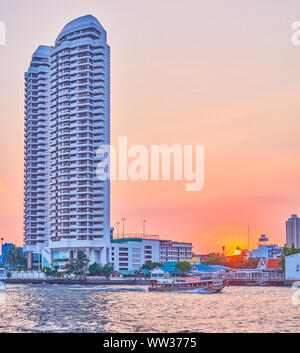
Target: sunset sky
(218,73)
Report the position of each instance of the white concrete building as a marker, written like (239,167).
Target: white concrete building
(267,251)
(292,267)
(36,156)
(67,117)
(293,231)
(175,251)
(130,254)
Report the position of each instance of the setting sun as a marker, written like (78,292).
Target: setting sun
(237,252)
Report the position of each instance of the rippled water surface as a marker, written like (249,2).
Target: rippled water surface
(64,308)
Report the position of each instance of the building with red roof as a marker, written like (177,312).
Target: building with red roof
(269,264)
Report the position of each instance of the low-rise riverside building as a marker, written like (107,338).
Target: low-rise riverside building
(267,251)
(133,251)
(269,264)
(212,270)
(167,270)
(126,253)
(175,251)
(292,267)
(201,269)
(267,270)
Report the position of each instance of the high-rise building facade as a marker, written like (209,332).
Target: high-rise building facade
(78,108)
(293,231)
(36,177)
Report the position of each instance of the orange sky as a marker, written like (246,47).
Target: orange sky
(219,73)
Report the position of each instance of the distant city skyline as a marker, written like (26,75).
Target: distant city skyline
(220,74)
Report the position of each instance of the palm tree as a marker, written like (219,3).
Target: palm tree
(81,262)
(15,257)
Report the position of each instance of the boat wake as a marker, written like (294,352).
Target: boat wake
(107,289)
(196,291)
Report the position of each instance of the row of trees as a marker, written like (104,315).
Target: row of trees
(181,266)
(78,267)
(239,261)
(100,270)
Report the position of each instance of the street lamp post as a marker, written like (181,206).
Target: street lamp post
(118,223)
(123,220)
(144,225)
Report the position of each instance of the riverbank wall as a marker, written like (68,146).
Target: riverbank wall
(134,282)
(82,281)
(270,283)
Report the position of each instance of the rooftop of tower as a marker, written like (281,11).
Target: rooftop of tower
(40,56)
(42,51)
(80,23)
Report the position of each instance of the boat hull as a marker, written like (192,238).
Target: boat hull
(211,289)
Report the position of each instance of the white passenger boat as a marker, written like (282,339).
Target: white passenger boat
(3,278)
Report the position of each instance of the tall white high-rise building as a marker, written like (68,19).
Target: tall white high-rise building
(293,231)
(78,108)
(36,177)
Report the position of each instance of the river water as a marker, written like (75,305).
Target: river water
(71,308)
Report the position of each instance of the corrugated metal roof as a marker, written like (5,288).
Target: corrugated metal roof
(203,267)
(169,269)
(220,267)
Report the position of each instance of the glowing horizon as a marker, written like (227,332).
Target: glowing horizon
(220,74)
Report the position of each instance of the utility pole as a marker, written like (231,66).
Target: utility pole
(123,220)
(1,245)
(223,250)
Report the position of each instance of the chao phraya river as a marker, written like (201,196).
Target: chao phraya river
(75,308)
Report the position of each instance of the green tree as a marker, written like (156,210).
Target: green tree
(151,265)
(183,266)
(215,259)
(107,270)
(70,268)
(252,262)
(15,257)
(242,262)
(286,252)
(47,271)
(80,263)
(95,269)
